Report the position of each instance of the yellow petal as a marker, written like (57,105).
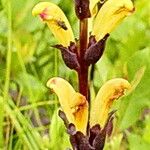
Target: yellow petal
(110,15)
(73,104)
(93,10)
(56,21)
(111,90)
(93,6)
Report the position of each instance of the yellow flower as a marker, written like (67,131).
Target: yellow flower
(110,91)
(56,21)
(101,22)
(73,104)
(109,16)
(76,107)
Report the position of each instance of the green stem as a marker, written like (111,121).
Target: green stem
(8,64)
(1,122)
(8,60)
(55,71)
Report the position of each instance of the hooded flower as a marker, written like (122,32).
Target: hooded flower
(56,21)
(103,20)
(111,13)
(75,105)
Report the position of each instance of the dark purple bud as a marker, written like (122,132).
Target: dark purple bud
(62,115)
(99,141)
(73,142)
(94,131)
(82,9)
(83,142)
(72,47)
(95,51)
(69,57)
(71,129)
(92,40)
(109,127)
(109,123)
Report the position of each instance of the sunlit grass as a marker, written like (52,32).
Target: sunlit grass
(28,110)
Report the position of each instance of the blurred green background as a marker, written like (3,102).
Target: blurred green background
(28,111)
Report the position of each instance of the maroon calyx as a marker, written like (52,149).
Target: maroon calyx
(95,50)
(82,9)
(69,56)
(95,140)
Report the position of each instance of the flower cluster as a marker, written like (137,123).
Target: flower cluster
(76,114)
(87,122)
(101,22)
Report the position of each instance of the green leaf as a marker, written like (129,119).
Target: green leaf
(114,143)
(136,142)
(58,133)
(146,132)
(31,86)
(133,105)
(103,71)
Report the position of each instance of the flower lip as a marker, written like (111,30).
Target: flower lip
(51,82)
(43,16)
(39,8)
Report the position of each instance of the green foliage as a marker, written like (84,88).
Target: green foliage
(58,134)
(140,140)
(133,105)
(30,110)
(114,144)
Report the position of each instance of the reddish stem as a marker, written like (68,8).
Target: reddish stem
(83,72)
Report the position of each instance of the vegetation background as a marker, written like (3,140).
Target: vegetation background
(28,110)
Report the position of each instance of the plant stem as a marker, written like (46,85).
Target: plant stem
(83,72)
(8,66)
(56,72)
(8,60)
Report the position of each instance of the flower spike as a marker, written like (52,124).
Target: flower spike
(110,15)
(56,21)
(74,105)
(111,90)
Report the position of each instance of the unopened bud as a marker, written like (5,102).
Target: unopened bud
(92,40)
(69,57)
(82,9)
(95,51)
